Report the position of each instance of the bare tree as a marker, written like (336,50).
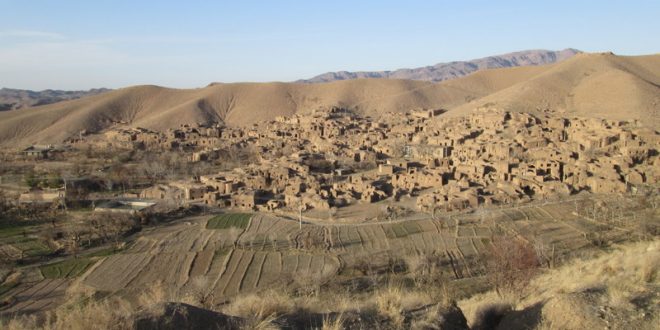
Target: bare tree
(511,264)
(112,226)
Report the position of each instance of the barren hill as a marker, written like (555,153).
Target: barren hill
(233,104)
(451,70)
(601,85)
(598,85)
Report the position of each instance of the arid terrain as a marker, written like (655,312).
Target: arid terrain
(511,198)
(593,85)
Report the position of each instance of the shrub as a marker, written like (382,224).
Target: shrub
(511,264)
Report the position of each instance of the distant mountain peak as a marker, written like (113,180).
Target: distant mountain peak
(13,99)
(455,69)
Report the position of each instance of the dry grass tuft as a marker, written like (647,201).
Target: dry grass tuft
(393,301)
(257,322)
(390,304)
(158,293)
(336,323)
(20,323)
(262,305)
(632,268)
(106,314)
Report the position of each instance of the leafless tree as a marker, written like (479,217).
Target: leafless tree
(154,169)
(111,226)
(511,264)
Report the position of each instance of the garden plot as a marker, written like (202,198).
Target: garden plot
(37,296)
(171,269)
(247,270)
(226,221)
(67,269)
(113,273)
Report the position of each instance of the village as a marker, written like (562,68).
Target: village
(334,158)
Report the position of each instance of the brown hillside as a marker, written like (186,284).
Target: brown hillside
(234,104)
(598,85)
(590,84)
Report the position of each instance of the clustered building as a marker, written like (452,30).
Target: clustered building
(334,158)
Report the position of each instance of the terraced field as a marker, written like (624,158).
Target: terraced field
(226,221)
(234,254)
(37,296)
(66,269)
(179,254)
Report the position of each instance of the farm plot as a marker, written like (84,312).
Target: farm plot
(232,254)
(276,234)
(18,241)
(226,221)
(37,296)
(171,269)
(115,272)
(248,270)
(66,269)
(178,254)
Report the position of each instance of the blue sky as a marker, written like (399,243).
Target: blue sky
(84,44)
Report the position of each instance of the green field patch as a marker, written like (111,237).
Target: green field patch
(66,269)
(14,230)
(32,247)
(226,221)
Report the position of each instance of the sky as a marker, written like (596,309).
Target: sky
(75,44)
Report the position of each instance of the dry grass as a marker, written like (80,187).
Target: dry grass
(262,305)
(20,323)
(257,322)
(158,293)
(106,314)
(631,268)
(336,323)
(389,303)
(393,301)
(616,288)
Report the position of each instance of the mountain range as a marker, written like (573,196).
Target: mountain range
(452,70)
(14,99)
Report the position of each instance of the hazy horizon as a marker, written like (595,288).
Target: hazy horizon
(83,45)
